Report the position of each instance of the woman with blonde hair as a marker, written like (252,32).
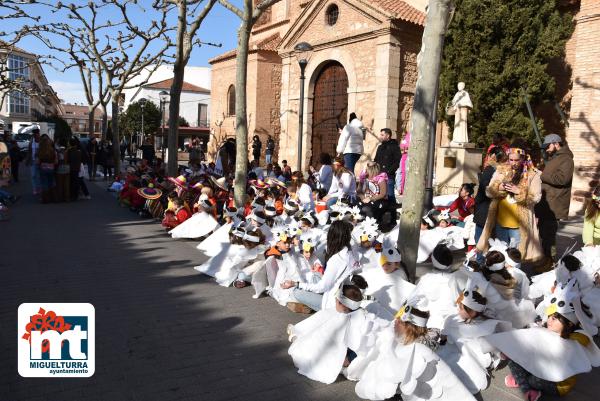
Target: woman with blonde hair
(373,190)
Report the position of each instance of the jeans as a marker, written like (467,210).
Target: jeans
(478,231)
(268,158)
(331,202)
(508,234)
(35,179)
(390,189)
(527,381)
(350,160)
(47,180)
(310,299)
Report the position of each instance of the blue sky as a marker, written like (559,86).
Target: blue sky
(219,27)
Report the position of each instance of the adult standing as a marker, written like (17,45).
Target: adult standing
(73,158)
(557,178)
(256,149)
(515,190)
(147,151)
(15,159)
(33,161)
(92,151)
(350,142)
(388,157)
(48,161)
(270,150)
(496,156)
(63,193)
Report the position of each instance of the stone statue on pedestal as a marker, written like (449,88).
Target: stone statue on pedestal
(459,108)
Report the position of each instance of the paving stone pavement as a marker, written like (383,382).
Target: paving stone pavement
(163,332)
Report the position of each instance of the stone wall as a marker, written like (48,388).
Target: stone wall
(583,135)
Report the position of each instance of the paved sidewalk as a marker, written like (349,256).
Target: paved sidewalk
(163,331)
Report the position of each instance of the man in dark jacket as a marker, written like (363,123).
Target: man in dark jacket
(557,179)
(388,158)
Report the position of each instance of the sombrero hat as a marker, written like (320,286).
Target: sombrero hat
(221,183)
(275,182)
(198,186)
(180,181)
(149,192)
(259,184)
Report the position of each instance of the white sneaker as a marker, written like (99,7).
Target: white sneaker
(290,332)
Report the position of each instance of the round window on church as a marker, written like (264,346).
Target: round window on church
(332,14)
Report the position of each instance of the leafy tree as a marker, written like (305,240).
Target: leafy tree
(62,130)
(130,122)
(498,48)
(182,122)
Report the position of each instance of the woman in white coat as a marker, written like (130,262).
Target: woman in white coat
(340,263)
(350,142)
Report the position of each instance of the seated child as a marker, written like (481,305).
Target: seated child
(389,366)
(388,285)
(173,218)
(345,329)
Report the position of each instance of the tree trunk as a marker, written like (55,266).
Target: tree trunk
(241,117)
(176,86)
(91,113)
(104,126)
(115,134)
(424,103)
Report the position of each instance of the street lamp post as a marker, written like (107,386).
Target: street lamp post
(142,103)
(164,98)
(303,53)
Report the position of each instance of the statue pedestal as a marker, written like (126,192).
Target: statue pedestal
(457,164)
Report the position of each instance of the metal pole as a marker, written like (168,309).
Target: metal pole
(301,113)
(162,139)
(533,124)
(142,121)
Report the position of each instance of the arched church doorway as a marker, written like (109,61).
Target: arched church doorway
(330,109)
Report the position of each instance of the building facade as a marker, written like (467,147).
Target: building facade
(583,132)
(364,61)
(77,118)
(37,100)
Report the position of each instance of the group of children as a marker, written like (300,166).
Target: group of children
(438,339)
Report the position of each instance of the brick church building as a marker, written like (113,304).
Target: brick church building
(364,61)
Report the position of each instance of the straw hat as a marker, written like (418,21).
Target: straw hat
(149,192)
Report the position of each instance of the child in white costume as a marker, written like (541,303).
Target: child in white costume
(387,284)
(546,359)
(323,344)
(402,362)
(364,237)
(214,243)
(437,286)
(461,351)
(221,263)
(200,224)
(498,286)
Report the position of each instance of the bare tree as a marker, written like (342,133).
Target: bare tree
(121,56)
(75,55)
(249,16)
(189,20)
(429,66)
